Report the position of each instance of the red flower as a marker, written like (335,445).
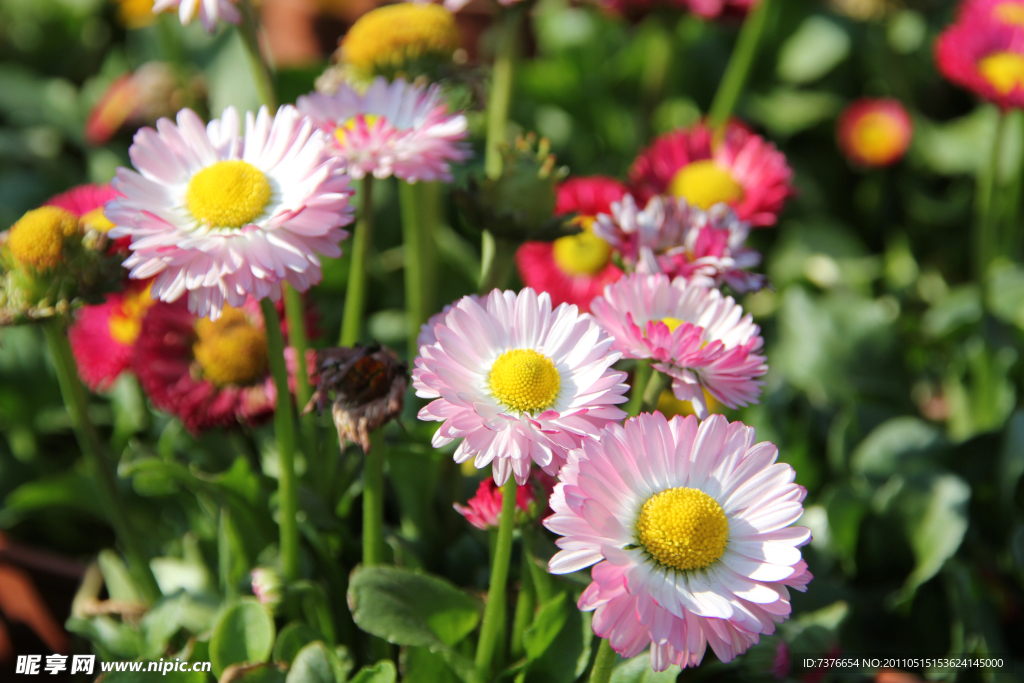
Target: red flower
(87,202)
(875,132)
(742,169)
(1008,12)
(574,269)
(103,336)
(484,509)
(207,373)
(985,57)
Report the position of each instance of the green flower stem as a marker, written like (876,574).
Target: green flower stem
(502,77)
(655,385)
(525,603)
(541,579)
(986,230)
(295,313)
(355,293)
(76,400)
(284,427)
(260,69)
(495,262)
(415,237)
(735,78)
(494,610)
(373,501)
(641,378)
(604,663)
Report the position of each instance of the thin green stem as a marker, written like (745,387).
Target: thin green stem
(502,77)
(414,237)
(655,385)
(494,611)
(495,262)
(525,603)
(641,378)
(260,69)
(295,313)
(284,427)
(604,663)
(542,581)
(373,501)
(738,69)
(986,231)
(76,401)
(355,293)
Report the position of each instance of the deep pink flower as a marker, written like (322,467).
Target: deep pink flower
(985,57)
(483,510)
(875,132)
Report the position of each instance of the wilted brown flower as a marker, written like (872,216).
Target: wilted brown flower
(368,383)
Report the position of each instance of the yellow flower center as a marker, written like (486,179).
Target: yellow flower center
(1011,13)
(683,528)
(230,350)
(341,132)
(704,184)
(583,253)
(126,320)
(228,194)
(37,239)
(876,137)
(672,323)
(390,36)
(670,406)
(1003,70)
(96,220)
(524,380)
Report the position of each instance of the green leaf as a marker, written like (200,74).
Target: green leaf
(786,112)
(316,663)
(1004,293)
(554,641)
(407,608)
(70,489)
(638,670)
(169,615)
(934,512)
(817,47)
(293,638)
(420,665)
(119,581)
(113,639)
(1011,459)
(244,633)
(150,676)
(960,308)
(895,446)
(546,627)
(381,672)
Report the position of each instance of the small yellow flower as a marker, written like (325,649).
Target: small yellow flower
(388,39)
(135,13)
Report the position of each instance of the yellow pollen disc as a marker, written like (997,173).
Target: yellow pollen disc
(583,253)
(876,137)
(1003,70)
(96,220)
(670,406)
(683,528)
(126,320)
(37,239)
(390,36)
(672,323)
(704,184)
(230,350)
(342,131)
(524,380)
(228,194)
(1010,13)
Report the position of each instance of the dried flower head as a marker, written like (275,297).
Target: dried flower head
(368,383)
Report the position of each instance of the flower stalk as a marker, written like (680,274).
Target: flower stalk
(740,63)
(986,231)
(604,663)
(284,428)
(355,293)
(415,236)
(295,314)
(655,385)
(373,500)
(75,399)
(261,70)
(502,78)
(491,628)
(641,378)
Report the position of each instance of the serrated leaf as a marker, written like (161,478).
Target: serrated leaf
(244,633)
(408,608)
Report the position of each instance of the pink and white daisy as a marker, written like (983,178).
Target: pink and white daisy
(397,128)
(687,526)
(671,236)
(221,217)
(696,335)
(574,269)
(517,381)
(208,11)
(736,167)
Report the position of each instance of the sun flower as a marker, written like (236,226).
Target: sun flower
(697,336)
(220,217)
(395,128)
(741,169)
(687,527)
(517,381)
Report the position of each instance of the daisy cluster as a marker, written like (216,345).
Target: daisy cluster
(685,523)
